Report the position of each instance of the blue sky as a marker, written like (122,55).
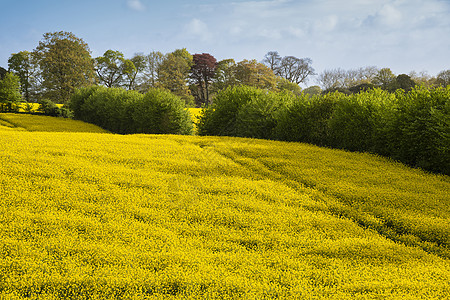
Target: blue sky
(404,35)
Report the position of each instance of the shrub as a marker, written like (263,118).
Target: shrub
(48,108)
(78,99)
(243,111)
(10,93)
(121,111)
(111,109)
(421,129)
(258,118)
(160,111)
(358,120)
(306,119)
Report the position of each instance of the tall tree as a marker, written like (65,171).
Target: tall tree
(9,92)
(151,73)
(112,68)
(295,69)
(202,73)
(135,73)
(252,73)
(174,74)
(225,75)
(384,78)
(65,64)
(331,79)
(24,65)
(2,72)
(443,78)
(272,59)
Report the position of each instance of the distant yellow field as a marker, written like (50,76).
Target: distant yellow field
(45,123)
(103,216)
(32,107)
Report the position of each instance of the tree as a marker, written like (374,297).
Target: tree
(402,81)
(295,69)
(225,75)
(202,73)
(443,78)
(272,59)
(286,85)
(174,74)
(24,65)
(9,92)
(347,79)
(313,90)
(2,72)
(151,72)
(384,78)
(252,73)
(331,79)
(135,74)
(65,64)
(112,68)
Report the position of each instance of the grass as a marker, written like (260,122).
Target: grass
(102,216)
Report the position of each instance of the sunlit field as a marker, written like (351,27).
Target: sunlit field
(45,123)
(103,216)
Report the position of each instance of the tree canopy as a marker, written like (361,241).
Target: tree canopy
(9,92)
(65,64)
(202,72)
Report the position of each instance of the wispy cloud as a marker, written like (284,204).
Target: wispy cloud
(136,5)
(197,29)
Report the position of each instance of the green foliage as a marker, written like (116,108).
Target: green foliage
(65,63)
(355,120)
(173,74)
(49,108)
(412,127)
(160,111)
(78,99)
(286,85)
(110,108)
(224,117)
(421,129)
(121,111)
(10,93)
(306,119)
(258,117)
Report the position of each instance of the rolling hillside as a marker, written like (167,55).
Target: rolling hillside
(102,216)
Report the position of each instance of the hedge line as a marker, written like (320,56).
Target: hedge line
(412,127)
(125,112)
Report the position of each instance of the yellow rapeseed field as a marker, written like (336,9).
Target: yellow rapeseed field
(103,216)
(45,123)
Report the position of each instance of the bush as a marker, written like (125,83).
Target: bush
(121,111)
(420,131)
(160,111)
(10,93)
(78,99)
(306,119)
(243,111)
(48,108)
(111,109)
(357,121)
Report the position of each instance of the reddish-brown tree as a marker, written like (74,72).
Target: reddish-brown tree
(202,72)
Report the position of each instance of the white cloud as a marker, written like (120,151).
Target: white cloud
(136,5)
(197,29)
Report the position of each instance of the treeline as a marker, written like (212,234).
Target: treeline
(412,127)
(62,62)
